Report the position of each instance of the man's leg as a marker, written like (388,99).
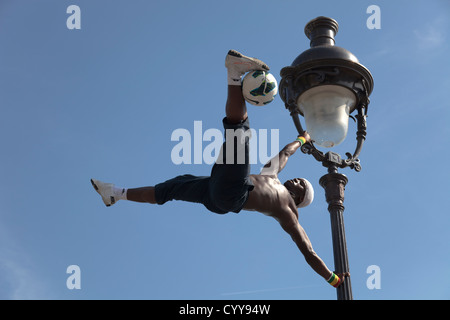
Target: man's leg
(230,181)
(184,187)
(144,195)
(111,194)
(235,109)
(237,65)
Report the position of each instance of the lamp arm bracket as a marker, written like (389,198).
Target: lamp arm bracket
(309,148)
(353,161)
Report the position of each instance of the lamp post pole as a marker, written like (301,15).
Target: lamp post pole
(317,76)
(334,185)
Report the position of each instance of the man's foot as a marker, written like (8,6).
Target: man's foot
(238,64)
(110,194)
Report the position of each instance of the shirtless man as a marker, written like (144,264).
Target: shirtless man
(231,187)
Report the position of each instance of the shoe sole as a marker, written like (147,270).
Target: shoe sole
(237,54)
(94,185)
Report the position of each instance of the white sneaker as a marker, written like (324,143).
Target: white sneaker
(106,190)
(240,64)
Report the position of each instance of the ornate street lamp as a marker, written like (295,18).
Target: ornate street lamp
(326,84)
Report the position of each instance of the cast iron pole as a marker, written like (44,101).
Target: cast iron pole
(325,64)
(334,185)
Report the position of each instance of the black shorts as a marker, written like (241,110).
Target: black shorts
(227,188)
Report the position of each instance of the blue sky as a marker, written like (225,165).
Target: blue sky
(102,102)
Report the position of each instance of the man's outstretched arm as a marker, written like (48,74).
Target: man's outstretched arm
(290,225)
(277,163)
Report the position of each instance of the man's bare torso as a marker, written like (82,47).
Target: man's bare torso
(269,196)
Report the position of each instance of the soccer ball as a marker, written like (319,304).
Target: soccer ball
(259,87)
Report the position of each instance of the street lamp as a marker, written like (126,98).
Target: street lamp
(326,84)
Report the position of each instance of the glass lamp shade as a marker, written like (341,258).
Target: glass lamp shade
(326,110)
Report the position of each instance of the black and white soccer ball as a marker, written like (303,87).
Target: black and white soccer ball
(259,87)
